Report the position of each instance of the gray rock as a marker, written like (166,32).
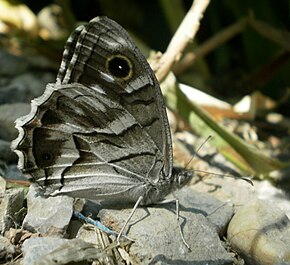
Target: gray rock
(34,83)
(2,185)
(91,234)
(240,192)
(25,87)
(8,114)
(260,232)
(217,212)
(267,191)
(49,216)
(12,208)
(14,93)
(51,250)
(12,172)
(35,248)
(157,236)
(7,250)
(11,65)
(10,203)
(3,168)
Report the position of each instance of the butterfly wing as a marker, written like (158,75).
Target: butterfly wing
(101,131)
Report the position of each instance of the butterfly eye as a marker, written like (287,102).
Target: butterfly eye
(120,67)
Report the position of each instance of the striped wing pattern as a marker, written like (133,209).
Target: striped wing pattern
(92,134)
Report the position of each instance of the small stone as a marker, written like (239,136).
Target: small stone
(216,211)
(12,172)
(51,250)
(10,203)
(8,114)
(35,248)
(7,250)
(157,235)
(2,185)
(49,216)
(260,232)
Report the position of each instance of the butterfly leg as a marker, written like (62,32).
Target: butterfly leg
(177,218)
(129,218)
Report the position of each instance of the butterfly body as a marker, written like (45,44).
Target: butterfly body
(101,131)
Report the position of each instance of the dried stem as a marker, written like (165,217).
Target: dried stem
(184,34)
(210,45)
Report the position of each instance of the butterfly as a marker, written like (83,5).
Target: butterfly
(101,131)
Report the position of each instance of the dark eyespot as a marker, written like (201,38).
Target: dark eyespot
(120,66)
(46,156)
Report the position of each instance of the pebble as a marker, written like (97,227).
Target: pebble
(49,216)
(12,172)
(10,203)
(7,250)
(3,185)
(157,235)
(51,250)
(218,213)
(260,232)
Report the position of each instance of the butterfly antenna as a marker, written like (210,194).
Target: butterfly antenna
(198,149)
(247,178)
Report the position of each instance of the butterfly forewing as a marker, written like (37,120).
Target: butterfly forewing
(95,134)
(101,39)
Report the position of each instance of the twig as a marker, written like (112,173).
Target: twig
(184,34)
(211,44)
(278,36)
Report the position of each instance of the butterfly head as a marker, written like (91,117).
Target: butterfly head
(182,177)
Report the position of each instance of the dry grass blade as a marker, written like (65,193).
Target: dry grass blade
(281,37)
(210,45)
(184,34)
